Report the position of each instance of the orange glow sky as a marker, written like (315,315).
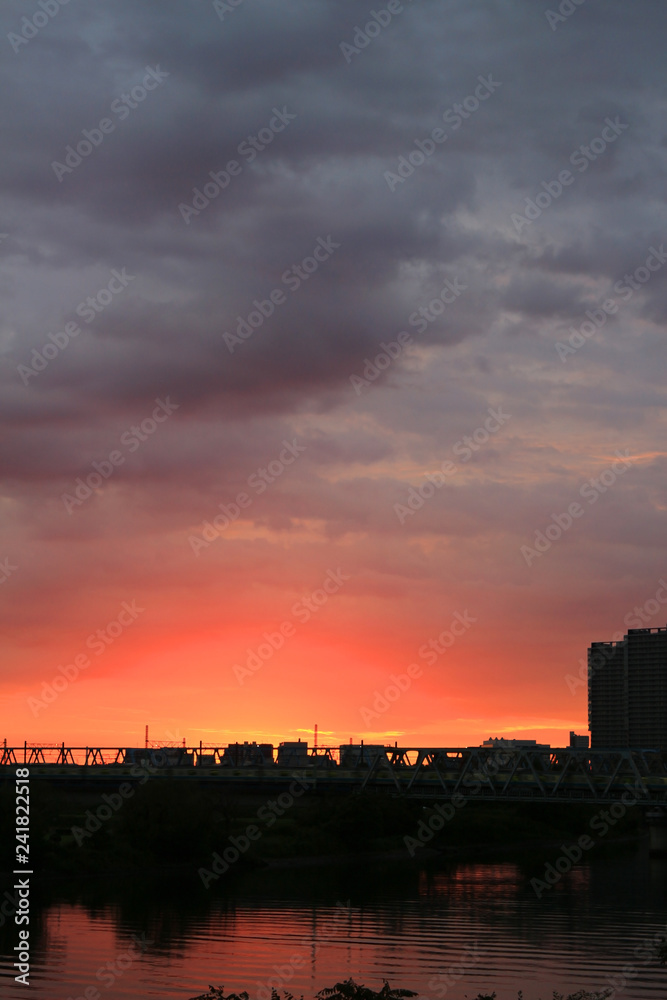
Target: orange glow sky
(337,500)
(199,616)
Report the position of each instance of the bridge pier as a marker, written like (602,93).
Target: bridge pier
(657,832)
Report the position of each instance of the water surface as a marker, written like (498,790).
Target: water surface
(480,924)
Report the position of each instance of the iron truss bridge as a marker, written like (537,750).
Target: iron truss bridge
(495,774)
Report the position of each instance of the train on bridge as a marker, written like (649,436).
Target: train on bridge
(498,773)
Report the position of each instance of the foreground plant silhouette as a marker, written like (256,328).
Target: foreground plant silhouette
(217,993)
(349,990)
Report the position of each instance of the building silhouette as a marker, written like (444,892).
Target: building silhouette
(627,691)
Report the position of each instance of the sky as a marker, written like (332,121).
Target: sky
(332,351)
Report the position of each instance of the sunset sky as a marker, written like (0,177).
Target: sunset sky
(478,187)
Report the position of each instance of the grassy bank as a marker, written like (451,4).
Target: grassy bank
(169,822)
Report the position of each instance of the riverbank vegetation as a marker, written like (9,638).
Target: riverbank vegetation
(171,822)
(349,990)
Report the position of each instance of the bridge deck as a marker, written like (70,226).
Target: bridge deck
(492,774)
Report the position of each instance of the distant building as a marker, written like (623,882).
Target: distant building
(627,691)
(293,754)
(360,754)
(248,754)
(578,742)
(608,694)
(499,741)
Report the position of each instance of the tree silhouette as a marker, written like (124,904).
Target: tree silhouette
(349,990)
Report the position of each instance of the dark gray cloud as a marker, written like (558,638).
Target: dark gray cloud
(323,177)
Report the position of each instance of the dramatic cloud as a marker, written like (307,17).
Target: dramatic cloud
(296,289)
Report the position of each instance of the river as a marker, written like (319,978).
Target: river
(444,929)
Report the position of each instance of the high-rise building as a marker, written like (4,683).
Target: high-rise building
(607,694)
(627,691)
